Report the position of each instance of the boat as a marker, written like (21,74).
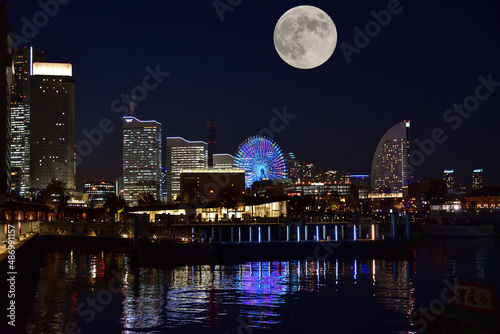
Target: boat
(473,311)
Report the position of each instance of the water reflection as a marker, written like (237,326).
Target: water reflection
(154,298)
(265,295)
(204,294)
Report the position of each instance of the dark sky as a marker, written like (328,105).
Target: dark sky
(424,61)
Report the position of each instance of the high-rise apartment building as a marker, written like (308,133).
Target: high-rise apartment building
(141,159)
(20,117)
(183,154)
(477,179)
(449,178)
(52,112)
(391,166)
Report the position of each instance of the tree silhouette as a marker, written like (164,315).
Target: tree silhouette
(54,195)
(229,198)
(299,204)
(114,205)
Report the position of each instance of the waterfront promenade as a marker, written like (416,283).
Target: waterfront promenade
(18,233)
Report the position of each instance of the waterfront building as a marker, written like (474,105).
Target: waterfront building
(183,154)
(52,98)
(391,166)
(142,163)
(484,198)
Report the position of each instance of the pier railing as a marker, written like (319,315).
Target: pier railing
(22,228)
(84,229)
(222,231)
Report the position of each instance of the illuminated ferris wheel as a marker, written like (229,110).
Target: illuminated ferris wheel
(261,158)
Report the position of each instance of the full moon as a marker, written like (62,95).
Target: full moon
(305,37)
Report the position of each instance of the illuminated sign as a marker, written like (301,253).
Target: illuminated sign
(59,69)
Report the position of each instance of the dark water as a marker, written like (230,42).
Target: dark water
(104,291)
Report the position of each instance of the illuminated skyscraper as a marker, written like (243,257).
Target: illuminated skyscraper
(141,159)
(183,154)
(5,88)
(23,60)
(477,179)
(390,166)
(52,98)
(448,176)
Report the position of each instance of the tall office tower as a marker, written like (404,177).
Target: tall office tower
(5,89)
(52,152)
(211,142)
(141,160)
(477,179)
(23,60)
(292,166)
(223,161)
(183,154)
(448,176)
(391,162)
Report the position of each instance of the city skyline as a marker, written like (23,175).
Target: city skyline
(263,87)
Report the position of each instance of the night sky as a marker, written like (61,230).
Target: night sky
(424,61)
